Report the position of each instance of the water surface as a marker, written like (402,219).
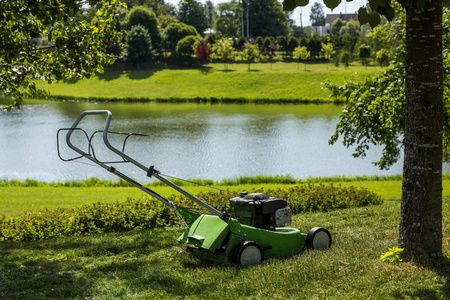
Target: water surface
(186,140)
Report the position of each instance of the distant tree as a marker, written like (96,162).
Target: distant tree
(292,43)
(301,53)
(209,12)
(260,42)
(167,9)
(351,28)
(138,47)
(164,20)
(175,32)
(185,49)
(345,58)
(249,53)
(270,53)
(328,51)
(267,42)
(317,15)
(227,19)
(143,16)
(364,52)
(303,42)
(266,18)
(282,43)
(157,6)
(223,50)
(240,42)
(315,46)
(203,51)
(194,14)
(336,26)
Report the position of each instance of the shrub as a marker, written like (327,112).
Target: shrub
(138,46)
(260,42)
(150,213)
(175,32)
(203,51)
(223,50)
(185,48)
(344,58)
(364,52)
(86,219)
(292,43)
(143,16)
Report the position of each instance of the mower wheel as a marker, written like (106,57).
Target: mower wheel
(318,238)
(249,253)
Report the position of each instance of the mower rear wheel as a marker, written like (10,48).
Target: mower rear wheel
(249,253)
(318,238)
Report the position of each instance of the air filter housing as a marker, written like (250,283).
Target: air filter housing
(261,211)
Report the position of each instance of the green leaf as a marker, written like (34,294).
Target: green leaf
(332,4)
(288,5)
(301,2)
(374,20)
(363,17)
(388,12)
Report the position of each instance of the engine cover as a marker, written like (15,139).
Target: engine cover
(261,211)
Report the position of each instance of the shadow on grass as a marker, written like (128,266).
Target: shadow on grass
(442,268)
(143,72)
(111,73)
(77,267)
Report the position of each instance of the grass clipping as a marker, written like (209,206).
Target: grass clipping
(149,213)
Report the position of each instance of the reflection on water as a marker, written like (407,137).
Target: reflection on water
(184,140)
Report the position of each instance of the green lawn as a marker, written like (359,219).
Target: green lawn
(151,265)
(283,82)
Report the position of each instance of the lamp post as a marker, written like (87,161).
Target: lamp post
(242,17)
(247,22)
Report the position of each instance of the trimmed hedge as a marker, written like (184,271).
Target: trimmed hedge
(150,213)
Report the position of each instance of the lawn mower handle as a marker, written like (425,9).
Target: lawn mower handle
(150,171)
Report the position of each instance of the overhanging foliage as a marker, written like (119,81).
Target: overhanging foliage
(50,40)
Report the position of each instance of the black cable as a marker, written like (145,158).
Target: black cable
(196,183)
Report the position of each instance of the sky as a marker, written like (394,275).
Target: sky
(344,7)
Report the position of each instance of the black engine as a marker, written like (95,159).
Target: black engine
(261,211)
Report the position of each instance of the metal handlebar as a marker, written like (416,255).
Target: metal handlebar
(150,171)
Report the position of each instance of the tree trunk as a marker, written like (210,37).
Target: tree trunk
(420,230)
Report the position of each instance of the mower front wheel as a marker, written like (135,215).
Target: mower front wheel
(318,238)
(249,253)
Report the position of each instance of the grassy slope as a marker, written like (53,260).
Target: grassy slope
(284,81)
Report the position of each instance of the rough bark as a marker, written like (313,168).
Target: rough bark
(420,230)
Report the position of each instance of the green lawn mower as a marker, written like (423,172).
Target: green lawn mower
(253,231)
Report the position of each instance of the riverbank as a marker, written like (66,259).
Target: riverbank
(264,82)
(18,197)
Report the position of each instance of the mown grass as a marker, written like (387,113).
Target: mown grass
(149,264)
(284,82)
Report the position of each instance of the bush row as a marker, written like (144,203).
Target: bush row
(150,213)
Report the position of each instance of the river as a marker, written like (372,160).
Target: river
(187,140)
